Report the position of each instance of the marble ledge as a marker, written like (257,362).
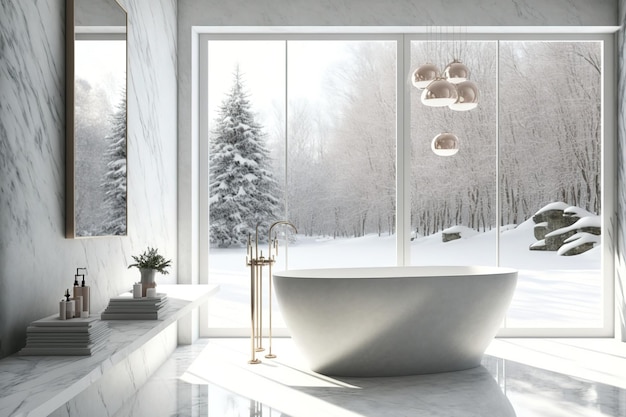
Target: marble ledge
(33,386)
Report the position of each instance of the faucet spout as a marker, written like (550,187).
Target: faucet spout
(285,222)
(278,223)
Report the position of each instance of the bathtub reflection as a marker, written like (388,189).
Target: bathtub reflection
(470,393)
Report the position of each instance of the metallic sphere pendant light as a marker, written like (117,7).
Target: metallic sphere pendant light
(456,72)
(467,99)
(445,144)
(424,75)
(439,93)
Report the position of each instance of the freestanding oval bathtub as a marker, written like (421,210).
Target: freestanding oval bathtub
(393,321)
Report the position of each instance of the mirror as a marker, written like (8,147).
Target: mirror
(96,55)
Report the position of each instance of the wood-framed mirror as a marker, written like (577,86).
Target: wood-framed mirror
(96,121)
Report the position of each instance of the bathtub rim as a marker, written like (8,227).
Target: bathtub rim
(384,272)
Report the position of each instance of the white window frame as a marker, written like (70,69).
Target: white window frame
(403,152)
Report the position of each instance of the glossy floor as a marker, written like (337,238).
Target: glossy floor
(519,377)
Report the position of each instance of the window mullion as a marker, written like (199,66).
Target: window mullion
(403,154)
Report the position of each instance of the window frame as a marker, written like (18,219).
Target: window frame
(200,127)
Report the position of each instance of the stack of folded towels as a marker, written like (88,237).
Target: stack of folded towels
(125,307)
(52,336)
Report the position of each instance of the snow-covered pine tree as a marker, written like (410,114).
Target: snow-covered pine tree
(115,178)
(242,189)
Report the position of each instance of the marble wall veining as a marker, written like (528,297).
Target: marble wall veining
(399,12)
(37,263)
(620,258)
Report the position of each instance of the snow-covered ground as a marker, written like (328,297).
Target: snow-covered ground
(552,290)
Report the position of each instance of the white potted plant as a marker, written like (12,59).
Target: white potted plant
(149,263)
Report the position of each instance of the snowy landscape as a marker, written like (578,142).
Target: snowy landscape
(552,290)
(100,138)
(327,156)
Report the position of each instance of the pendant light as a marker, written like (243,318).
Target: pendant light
(445,144)
(456,72)
(467,99)
(439,93)
(424,75)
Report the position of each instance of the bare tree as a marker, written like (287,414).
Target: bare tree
(342,146)
(460,189)
(363,149)
(551,141)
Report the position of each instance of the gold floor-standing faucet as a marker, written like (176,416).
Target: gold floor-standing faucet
(256,261)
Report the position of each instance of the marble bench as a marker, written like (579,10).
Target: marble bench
(98,385)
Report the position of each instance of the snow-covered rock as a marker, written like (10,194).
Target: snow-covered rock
(556,206)
(591,224)
(563,228)
(457,232)
(539,245)
(577,212)
(551,217)
(541,230)
(578,243)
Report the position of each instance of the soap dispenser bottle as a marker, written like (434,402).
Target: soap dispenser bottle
(63,309)
(69,305)
(78,296)
(85,293)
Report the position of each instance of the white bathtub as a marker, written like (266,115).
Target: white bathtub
(395,320)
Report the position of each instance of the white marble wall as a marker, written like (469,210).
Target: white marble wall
(37,263)
(620,259)
(398,12)
(120,383)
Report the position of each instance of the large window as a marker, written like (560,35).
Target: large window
(550,189)
(303,130)
(330,133)
(530,155)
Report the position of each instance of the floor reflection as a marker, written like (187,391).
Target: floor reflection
(469,393)
(536,392)
(225,403)
(213,378)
